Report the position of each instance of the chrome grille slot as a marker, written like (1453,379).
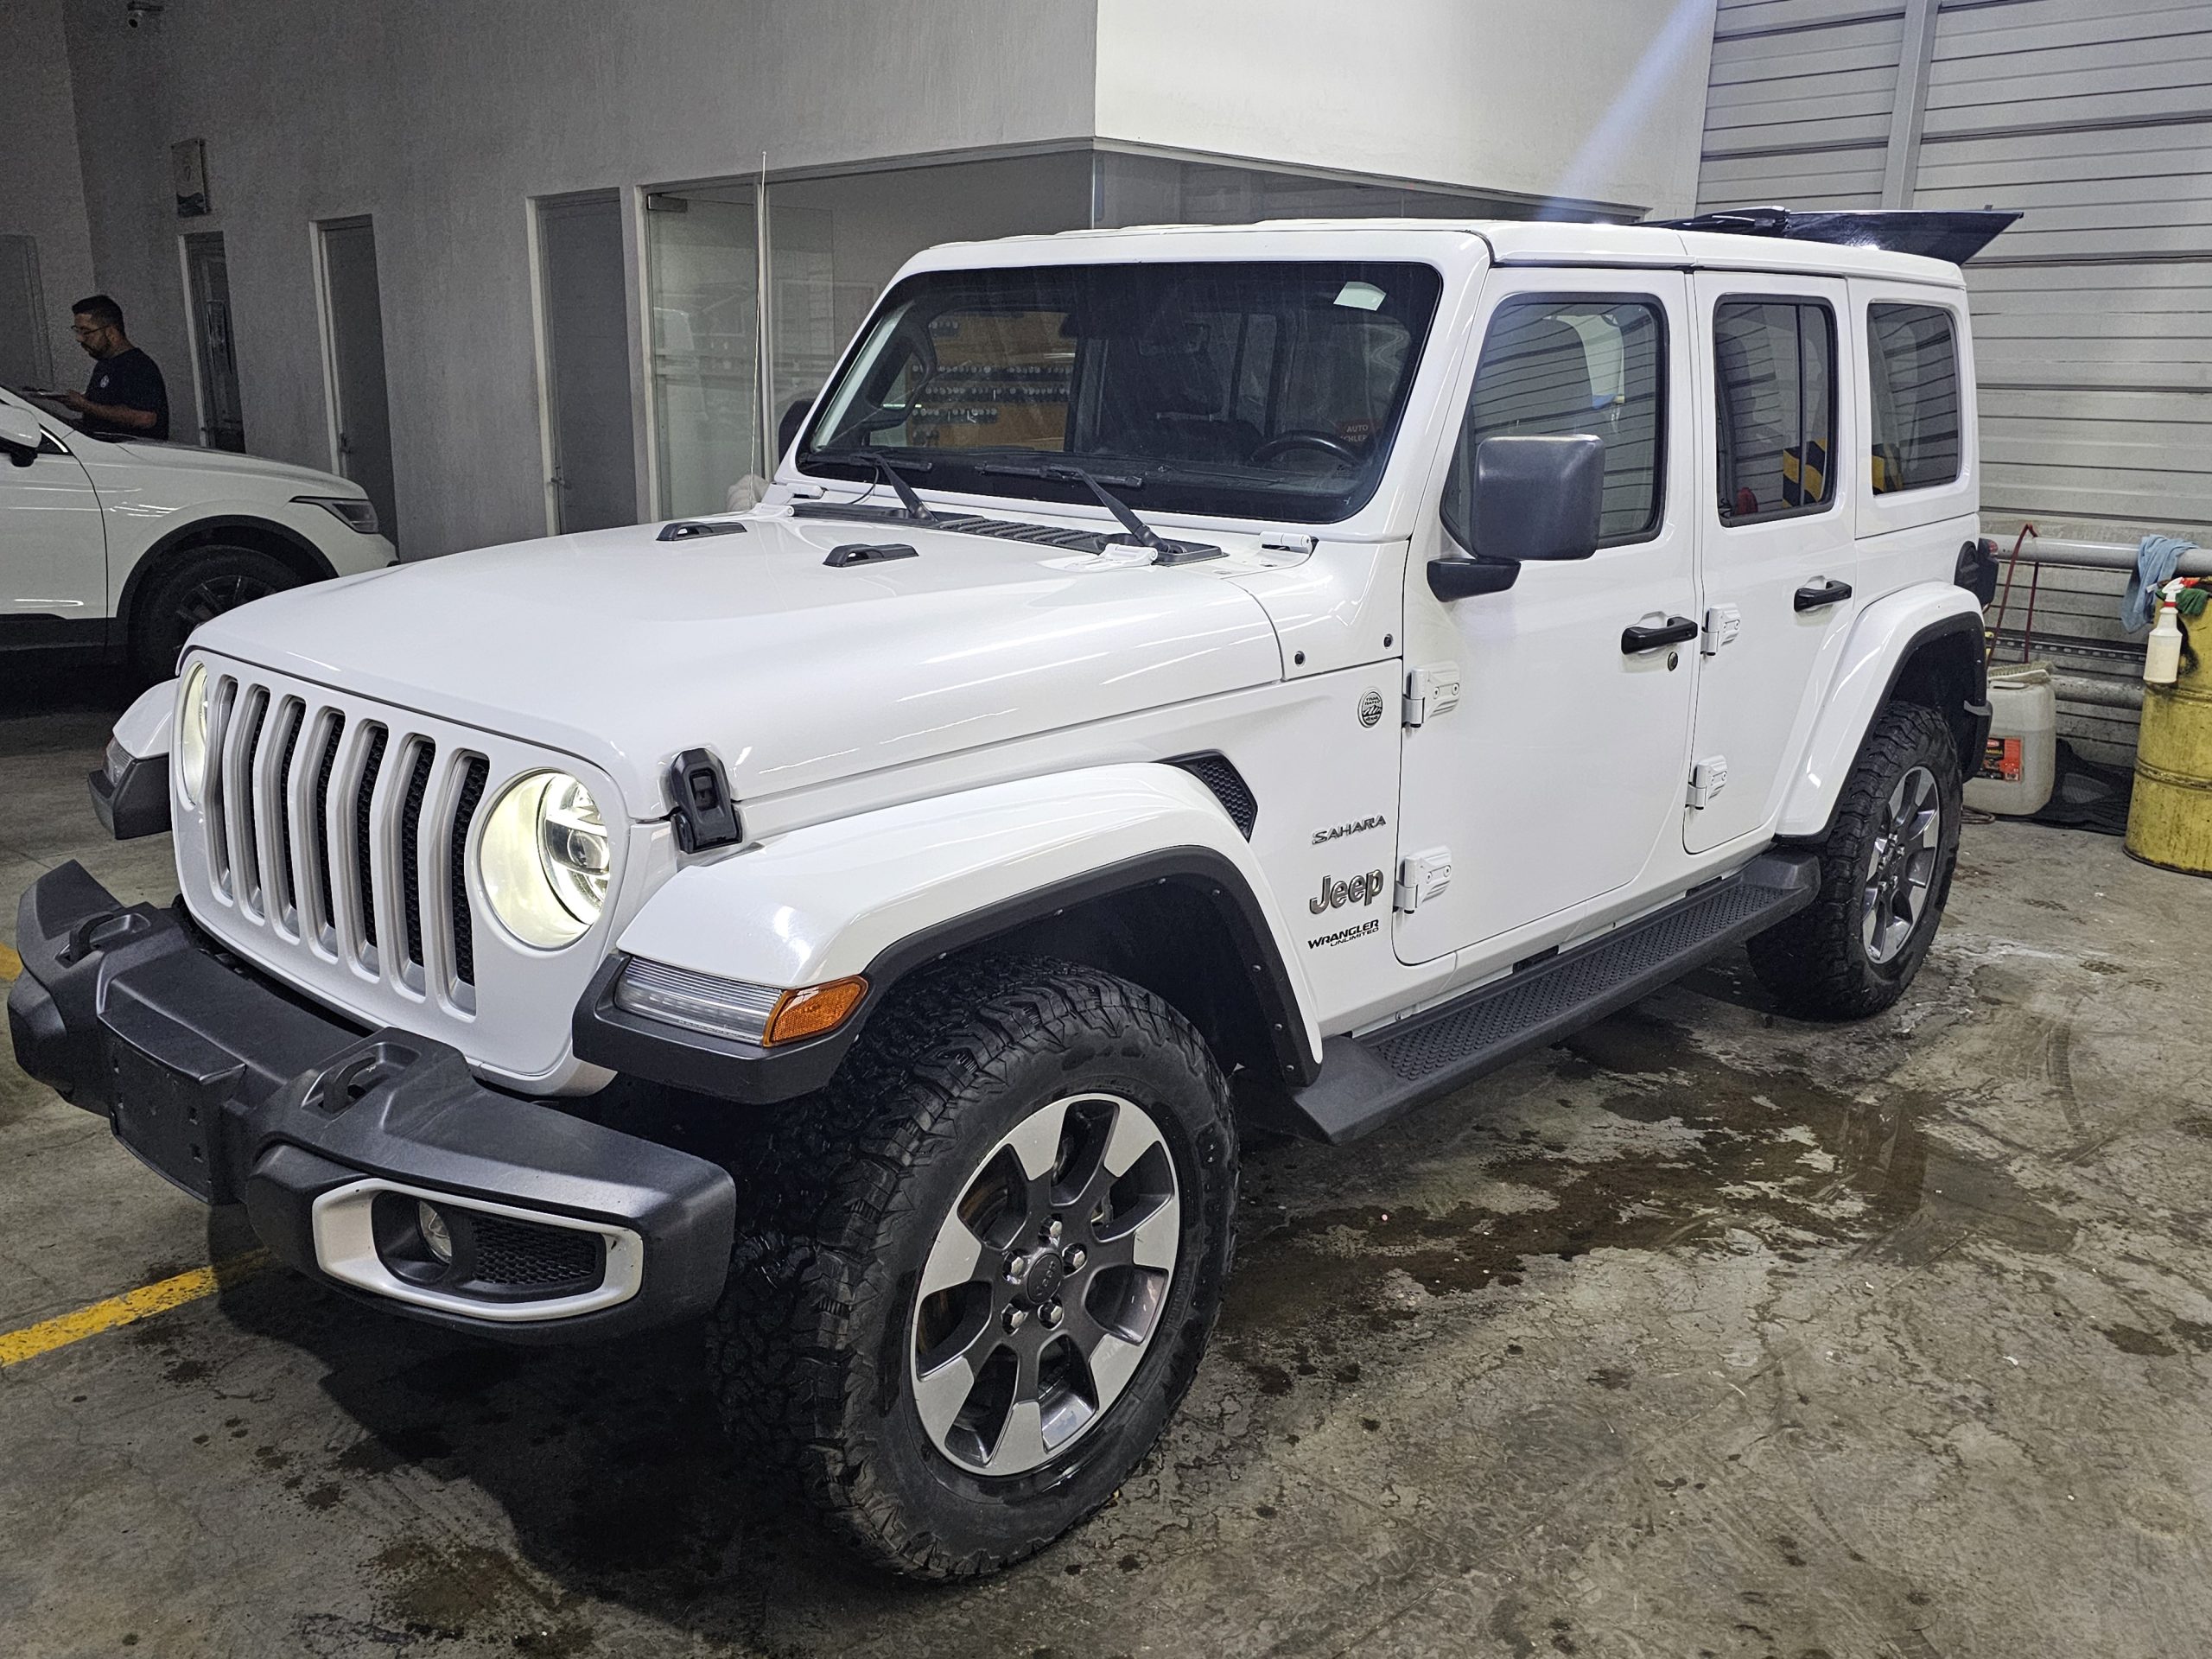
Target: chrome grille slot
(410,847)
(222,699)
(237,792)
(474,769)
(272,818)
(324,909)
(365,860)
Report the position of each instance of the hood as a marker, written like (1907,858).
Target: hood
(209,463)
(625,650)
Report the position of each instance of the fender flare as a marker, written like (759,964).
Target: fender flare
(883,892)
(1884,639)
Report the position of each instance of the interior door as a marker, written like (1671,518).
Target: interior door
(53,546)
(354,308)
(1778,565)
(1560,770)
(222,426)
(595,478)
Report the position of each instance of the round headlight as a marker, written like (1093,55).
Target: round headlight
(192,733)
(544,859)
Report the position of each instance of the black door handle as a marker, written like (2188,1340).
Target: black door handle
(1813,595)
(1672,631)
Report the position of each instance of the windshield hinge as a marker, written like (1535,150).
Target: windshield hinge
(704,816)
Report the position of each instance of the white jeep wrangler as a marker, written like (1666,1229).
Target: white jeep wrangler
(1179,679)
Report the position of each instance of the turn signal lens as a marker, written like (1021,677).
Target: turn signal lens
(815,1010)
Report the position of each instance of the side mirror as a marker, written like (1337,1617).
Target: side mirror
(1535,497)
(20,436)
(1538,498)
(788,425)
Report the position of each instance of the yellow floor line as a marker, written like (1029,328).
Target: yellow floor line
(10,963)
(16,1346)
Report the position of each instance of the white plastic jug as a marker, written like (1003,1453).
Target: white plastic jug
(2019,766)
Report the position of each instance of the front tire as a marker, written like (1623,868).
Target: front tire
(197,586)
(974,1280)
(1886,871)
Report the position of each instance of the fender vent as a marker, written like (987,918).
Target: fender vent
(1228,786)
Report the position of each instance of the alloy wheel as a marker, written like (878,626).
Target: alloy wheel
(205,600)
(1044,1288)
(1900,870)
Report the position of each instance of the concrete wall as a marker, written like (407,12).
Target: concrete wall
(1591,100)
(42,184)
(441,121)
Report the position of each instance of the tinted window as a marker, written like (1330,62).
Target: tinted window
(1914,386)
(1556,366)
(1775,365)
(1266,390)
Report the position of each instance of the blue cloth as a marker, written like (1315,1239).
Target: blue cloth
(2156,561)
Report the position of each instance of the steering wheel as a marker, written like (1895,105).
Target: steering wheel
(1289,441)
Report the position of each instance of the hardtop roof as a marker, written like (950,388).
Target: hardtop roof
(1507,242)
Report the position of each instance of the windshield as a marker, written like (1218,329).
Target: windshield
(1246,391)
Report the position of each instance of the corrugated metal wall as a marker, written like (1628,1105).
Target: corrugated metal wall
(2093,316)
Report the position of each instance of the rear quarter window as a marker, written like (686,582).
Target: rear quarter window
(1913,380)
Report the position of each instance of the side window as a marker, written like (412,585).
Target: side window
(1774,366)
(1913,378)
(1557,365)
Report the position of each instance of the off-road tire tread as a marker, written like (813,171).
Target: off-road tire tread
(1811,963)
(815,1186)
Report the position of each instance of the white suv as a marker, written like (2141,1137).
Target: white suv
(1179,679)
(115,549)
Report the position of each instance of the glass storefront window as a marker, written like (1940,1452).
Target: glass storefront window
(1155,190)
(834,245)
(703,264)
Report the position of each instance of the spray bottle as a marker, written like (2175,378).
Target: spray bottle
(2162,652)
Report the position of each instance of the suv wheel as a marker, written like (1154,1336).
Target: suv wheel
(974,1279)
(197,586)
(1885,872)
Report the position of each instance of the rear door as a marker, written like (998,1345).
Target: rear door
(1558,773)
(1776,565)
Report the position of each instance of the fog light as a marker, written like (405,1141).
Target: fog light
(436,1233)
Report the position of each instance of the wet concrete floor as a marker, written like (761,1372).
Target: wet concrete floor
(1709,1333)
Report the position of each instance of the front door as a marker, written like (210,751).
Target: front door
(1776,540)
(1561,773)
(53,547)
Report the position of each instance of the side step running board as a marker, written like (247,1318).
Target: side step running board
(1367,1081)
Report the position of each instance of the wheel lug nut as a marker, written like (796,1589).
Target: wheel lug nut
(1015,1317)
(1017,1267)
(1050,1315)
(1053,1231)
(1074,1259)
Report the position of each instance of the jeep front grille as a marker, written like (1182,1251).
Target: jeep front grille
(344,836)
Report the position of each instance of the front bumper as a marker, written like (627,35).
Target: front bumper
(236,1091)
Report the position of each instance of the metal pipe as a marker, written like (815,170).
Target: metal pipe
(2103,556)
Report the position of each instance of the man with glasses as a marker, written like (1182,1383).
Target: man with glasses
(126,398)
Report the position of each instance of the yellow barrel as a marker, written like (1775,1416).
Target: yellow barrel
(2170,819)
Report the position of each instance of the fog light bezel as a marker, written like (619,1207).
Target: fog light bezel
(365,1243)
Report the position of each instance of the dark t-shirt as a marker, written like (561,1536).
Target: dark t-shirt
(129,379)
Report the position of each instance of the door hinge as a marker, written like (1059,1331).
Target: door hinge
(1708,779)
(1431,691)
(1422,876)
(1722,624)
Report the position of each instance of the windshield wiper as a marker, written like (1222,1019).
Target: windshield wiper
(1140,533)
(1163,550)
(916,509)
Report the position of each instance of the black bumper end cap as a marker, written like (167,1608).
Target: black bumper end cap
(135,801)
